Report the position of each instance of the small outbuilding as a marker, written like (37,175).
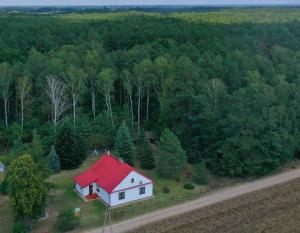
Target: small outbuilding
(2,167)
(113,182)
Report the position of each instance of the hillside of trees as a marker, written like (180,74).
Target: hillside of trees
(226,83)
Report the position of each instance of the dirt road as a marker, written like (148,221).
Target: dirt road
(211,198)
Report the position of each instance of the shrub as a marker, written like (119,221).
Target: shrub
(188,186)
(202,175)
(19,227)
(4,187)
(67,221)
(178,179)
(166,189)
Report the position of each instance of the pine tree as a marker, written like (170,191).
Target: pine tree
(66,148)
(124,144)
(54,161)
(147,160)
(171,158)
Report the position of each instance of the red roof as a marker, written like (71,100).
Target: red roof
(107,172)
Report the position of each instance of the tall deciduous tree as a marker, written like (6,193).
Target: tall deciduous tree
(58,98)
(106,84)
(128,86)
(171,158)
(140,71)
(76,82)
(26,189)
(6,79)
(23,91)
(92,62)
(124,144)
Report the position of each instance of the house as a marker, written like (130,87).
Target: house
(114,182)
(2,167)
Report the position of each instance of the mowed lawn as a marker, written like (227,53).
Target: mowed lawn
(276,210)
(92,212)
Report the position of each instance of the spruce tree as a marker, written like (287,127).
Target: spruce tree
(66,148)
(147,160)
(54,161)
(171,158)
(124,144)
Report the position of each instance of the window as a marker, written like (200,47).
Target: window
(121,195)
(142,190)
(132,180)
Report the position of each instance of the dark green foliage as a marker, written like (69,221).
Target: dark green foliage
(171,158)
(147,158)
(37,152)
(202,175)
(166,190)
(225,82)
(188,186)
(54,161)
(26,189)
(66,220)
(19,227)
(69,151)
(124,144)
(4,187)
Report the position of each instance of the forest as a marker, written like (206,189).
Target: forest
(225,83)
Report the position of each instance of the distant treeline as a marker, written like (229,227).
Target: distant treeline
(101,9)
(226,83)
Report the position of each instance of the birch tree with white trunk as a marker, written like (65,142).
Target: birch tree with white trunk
(58,97)
(75,79)
(140,72)
(105,83)
(128,86)
(93,62)
(6,79)
(24,86)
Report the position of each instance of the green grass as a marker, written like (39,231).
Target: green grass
(92,212)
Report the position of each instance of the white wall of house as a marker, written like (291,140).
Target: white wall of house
(83,191)
(132,180)
(102,194)
(131,194)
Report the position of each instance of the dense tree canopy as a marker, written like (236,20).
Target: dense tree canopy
(226,82)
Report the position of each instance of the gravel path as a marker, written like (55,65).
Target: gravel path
(210,198)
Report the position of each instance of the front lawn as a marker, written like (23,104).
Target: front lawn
(92,213)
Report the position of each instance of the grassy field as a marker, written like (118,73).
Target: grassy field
(92,213)
(275,210)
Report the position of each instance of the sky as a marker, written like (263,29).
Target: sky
(141,2)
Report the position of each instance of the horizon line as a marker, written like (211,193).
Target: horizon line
(158,5)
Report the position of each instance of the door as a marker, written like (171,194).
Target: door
(91,189)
